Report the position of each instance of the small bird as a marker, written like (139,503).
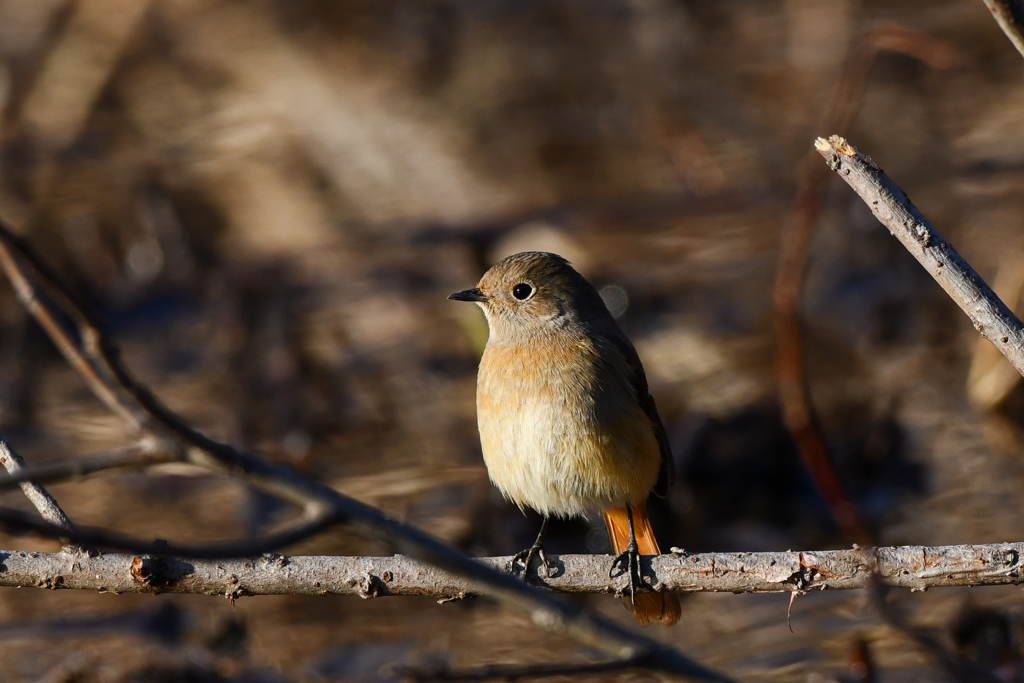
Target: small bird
(567,424)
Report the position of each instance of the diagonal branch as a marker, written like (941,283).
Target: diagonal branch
(18,262)
(45,503)
(100,365)
(890,204)
(990,316)
(1009,14)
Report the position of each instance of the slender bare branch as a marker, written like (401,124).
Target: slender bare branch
(145,454)
(991,317)
(300,531)
(915,567)
(89,366)
(46,504)
(514,673)
(912,232)
(989,314)
(100,365)
(1009,14)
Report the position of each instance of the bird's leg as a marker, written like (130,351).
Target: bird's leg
(629,560)
(536,550)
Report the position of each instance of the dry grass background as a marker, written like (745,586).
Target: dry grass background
(268,201)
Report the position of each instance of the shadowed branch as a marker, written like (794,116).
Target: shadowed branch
(97,360)
(145,454)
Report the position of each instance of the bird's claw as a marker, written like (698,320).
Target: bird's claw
(525,557)
(629,563)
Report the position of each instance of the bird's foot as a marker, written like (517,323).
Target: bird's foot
(526,557)
(629,563)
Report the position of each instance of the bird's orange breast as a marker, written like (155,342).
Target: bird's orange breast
(560,428)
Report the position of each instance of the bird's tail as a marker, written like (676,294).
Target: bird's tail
(649,608)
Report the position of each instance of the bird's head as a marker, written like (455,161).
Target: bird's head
(533,293)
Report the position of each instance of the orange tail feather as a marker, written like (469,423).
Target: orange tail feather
(649,608)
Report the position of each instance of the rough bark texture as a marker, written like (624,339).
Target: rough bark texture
(98,362)
(1009,14)
(45,503)
(894,209)
(914,567)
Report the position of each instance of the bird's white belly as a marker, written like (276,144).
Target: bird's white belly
(559,460)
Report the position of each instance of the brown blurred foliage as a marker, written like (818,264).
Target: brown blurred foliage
(268,201)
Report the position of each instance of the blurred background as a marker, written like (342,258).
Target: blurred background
(267,202)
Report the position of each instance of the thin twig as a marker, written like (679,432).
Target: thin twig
(1009,14)
(45,503)
(794,255)
(145,454)
(916,568)
(890,204)
(90,366)
(514,673)
(100,364)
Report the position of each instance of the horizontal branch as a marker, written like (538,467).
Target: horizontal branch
(147,453)
(98,362)
(299,530)
(891,205)
(914,567)
(499,672)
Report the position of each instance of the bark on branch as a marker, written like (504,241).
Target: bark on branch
(1009,14)
(893,208)
(45,503)
(915,567)
(96,359)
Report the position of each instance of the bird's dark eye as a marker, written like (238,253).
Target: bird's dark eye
(522,291)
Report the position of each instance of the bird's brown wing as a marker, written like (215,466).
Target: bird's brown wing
(667,474)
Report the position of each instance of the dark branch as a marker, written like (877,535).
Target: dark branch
(98,362)
(142,455)
(515,673)
(18,521)
(948,659)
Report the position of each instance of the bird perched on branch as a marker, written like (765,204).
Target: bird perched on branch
(567,424)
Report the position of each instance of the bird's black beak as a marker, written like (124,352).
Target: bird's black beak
(468,295)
